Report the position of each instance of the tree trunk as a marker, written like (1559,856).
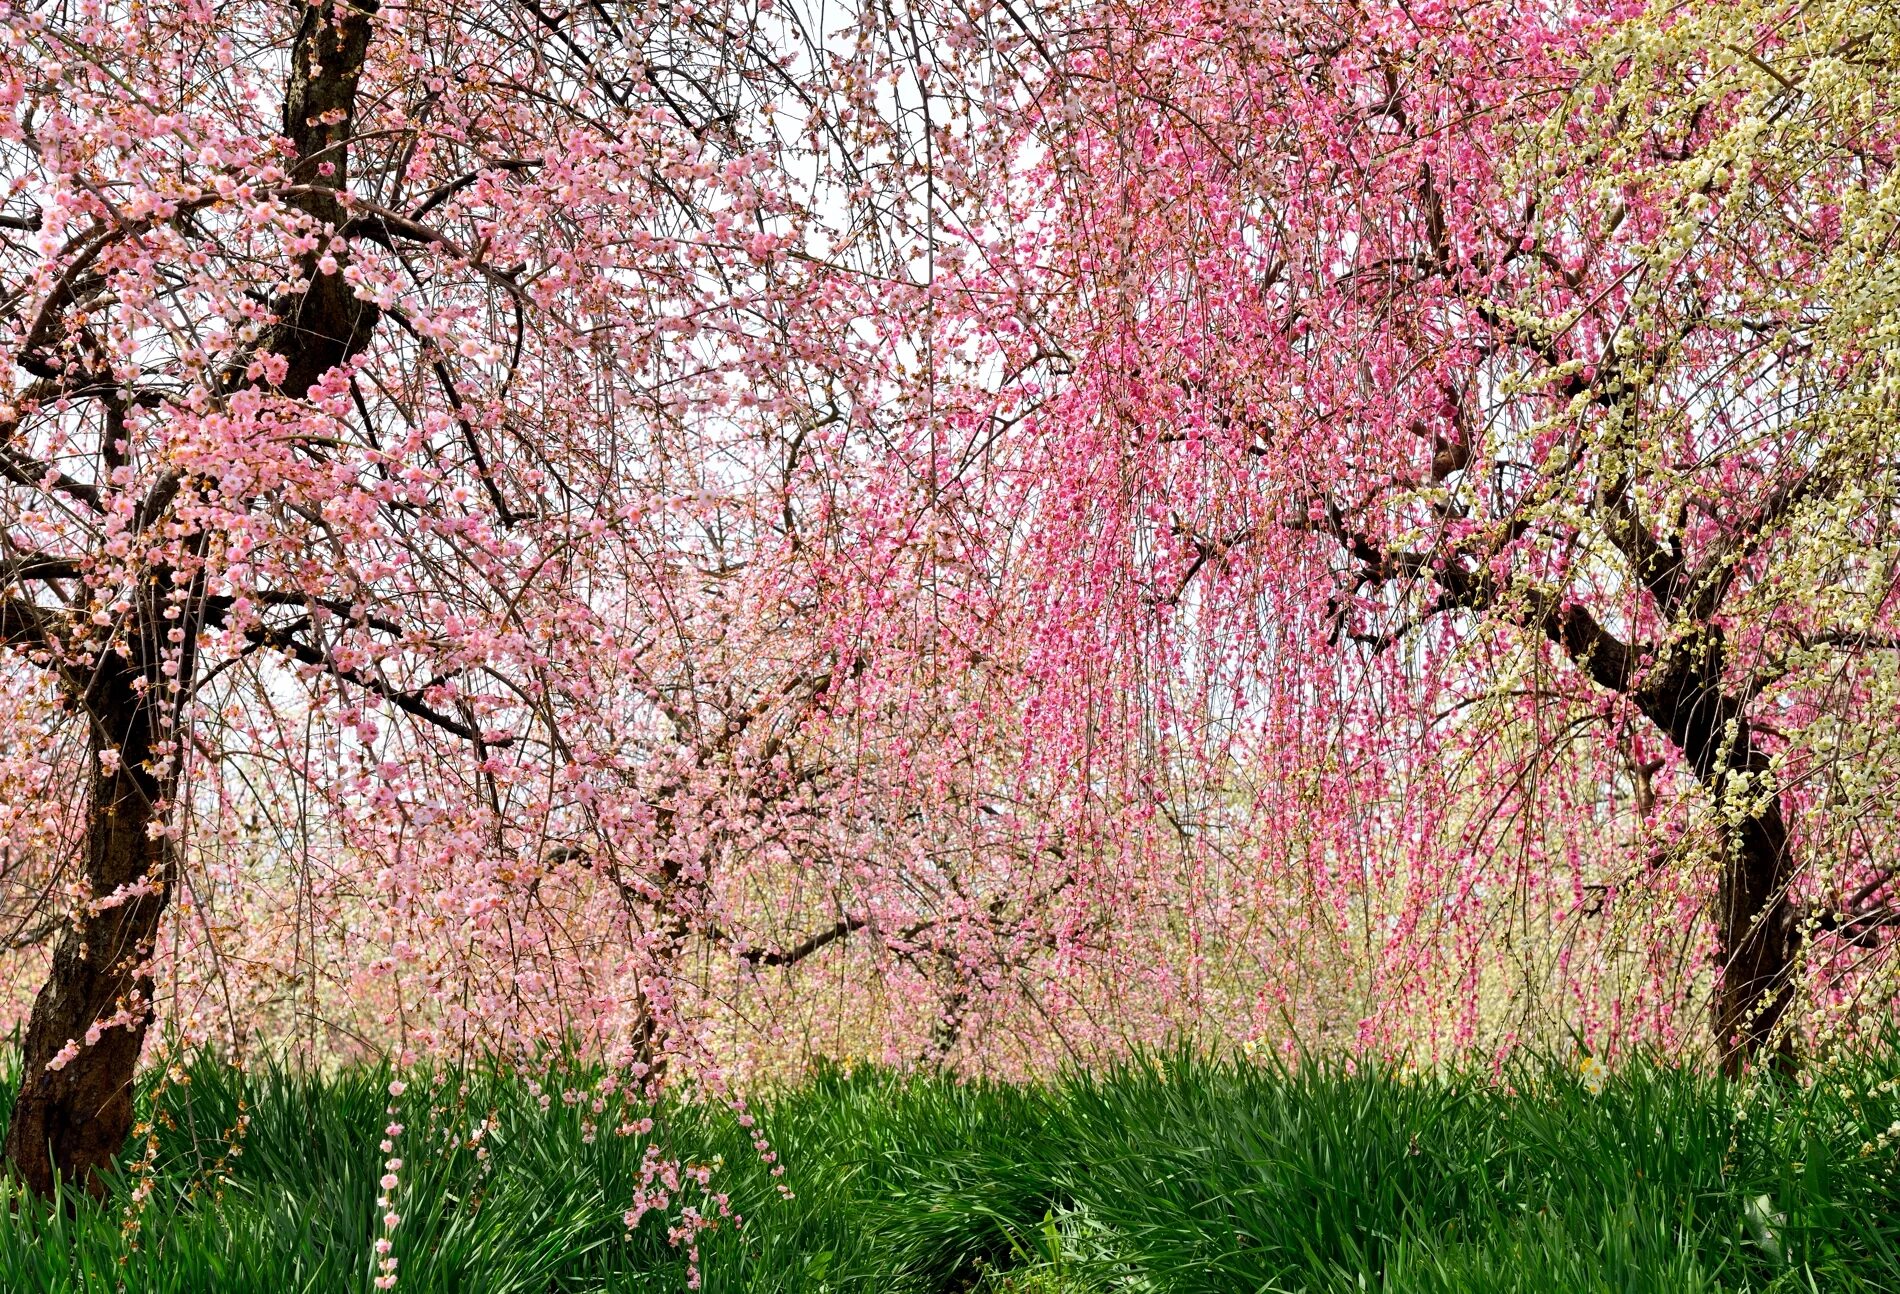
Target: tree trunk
(70,1121)
(1757,938)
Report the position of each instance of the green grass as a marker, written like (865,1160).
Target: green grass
(1175,1175)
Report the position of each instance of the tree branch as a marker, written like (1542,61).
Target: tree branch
(411,703)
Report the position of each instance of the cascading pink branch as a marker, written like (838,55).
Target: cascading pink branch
(1472,491)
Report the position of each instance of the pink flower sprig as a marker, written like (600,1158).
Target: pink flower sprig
(389,1183)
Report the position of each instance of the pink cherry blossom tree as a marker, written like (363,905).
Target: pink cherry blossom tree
(490,504)
(1474,397)
(383,416)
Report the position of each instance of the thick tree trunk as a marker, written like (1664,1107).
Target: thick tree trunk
(75,1108)
(1757,937)
(1758,940)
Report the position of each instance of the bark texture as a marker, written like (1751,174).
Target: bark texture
(1758,936)
(70,1122)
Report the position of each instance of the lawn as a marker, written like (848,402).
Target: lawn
(1177,1174)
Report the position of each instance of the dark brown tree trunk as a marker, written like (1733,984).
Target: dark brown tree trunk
(70,1122)
(1757,936)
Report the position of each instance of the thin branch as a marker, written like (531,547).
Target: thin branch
(411,703)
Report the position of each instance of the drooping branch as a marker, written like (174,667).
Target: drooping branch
(22,468)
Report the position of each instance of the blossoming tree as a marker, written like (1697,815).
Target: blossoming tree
(415,446)
(1468,391)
